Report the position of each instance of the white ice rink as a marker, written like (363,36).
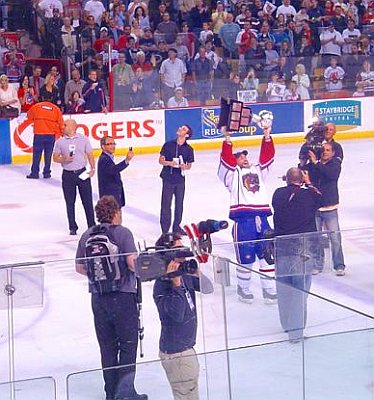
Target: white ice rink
(57,337)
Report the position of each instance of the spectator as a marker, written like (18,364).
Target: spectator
(218,20)
(123,40)
(172,72)
(13,63)
(339,19)
(351,35)
(244,41)
(366,77)
(123,77)
(250,81)
(53,45)
(133,5)
(93,95)
(47,6)
(284,68)
(157,102)
(136,31)
(286,9)
(49,91)
(95,8)
(157,17)
(352,64)
(142,63)
(107,53)
(69,38)
(205,34)
(147,43)
(75,103)
(36,80)
(199,14)
(302,82)
(365,46)
(142,18)
(167,29)
(202,75)
(131,51)
(334,75)
(103,38)
(275,89)
(73,85)
(185,7)
(92,31)
(59,82)
(182,50)
(352,11)
(139,97)
(360,90)
(235,86)
(265,35)
(26,94)
(305,53)
(188,39)
(331,43)
(8,95)
(291,93)
(271,56)
(114,32)
(177,101)
(241,17)
(161,54)
(228,34)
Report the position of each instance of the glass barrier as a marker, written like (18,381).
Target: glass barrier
(29,389)
(53,320)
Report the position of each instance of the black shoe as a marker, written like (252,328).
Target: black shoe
(73,232)
(134,397)
(31,176)
(47,176)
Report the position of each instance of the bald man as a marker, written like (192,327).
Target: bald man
(72,151)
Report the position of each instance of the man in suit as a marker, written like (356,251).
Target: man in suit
(109,173)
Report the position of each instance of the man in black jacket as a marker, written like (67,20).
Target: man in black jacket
(324,174)
(109,173)
(295,208)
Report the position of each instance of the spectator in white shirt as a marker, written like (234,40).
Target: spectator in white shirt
(47,7)
(177,100)
(331,43)
(286,9)
(334,75)
(350,35)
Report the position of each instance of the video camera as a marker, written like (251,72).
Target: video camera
(314,139)
(152,262)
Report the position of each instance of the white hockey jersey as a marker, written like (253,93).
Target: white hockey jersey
(248,196)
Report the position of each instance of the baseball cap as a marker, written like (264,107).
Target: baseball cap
(331,23)
(103,29)
(239,153)
(178,88)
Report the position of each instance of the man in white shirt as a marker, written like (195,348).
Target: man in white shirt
(350,35)
(334,75)
(177,100)
(172,73)
(286,9)
(331,43)
(96,9)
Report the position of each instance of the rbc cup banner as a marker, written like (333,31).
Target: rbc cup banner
(288,118)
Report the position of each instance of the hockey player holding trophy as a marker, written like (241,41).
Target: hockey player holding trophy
(249,206)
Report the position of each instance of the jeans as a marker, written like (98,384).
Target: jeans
(329,221)
(70,183)
(116,326)
(168,191)
(42,143)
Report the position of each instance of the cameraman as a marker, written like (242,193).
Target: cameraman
(324,174)
(318,135)
(175,299)
(295,208)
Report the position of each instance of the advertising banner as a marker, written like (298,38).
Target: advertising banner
(137,129)
(288,118)
(347,114)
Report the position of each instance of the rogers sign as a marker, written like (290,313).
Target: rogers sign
(137,129)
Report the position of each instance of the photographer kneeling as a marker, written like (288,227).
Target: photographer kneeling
(174,295)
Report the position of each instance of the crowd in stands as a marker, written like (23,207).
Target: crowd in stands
(176,53)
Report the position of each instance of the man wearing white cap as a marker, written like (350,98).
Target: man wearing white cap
(177,100)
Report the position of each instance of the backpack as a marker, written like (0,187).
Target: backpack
(106,270)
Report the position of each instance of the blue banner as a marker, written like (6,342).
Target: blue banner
(288,118)
(5,148)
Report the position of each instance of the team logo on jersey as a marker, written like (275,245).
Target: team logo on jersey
(251,182)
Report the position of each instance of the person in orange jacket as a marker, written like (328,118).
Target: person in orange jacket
(48,123)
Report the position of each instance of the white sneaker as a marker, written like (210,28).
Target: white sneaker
(244,296)
(340,271)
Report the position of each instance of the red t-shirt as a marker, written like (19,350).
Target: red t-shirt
(29,100)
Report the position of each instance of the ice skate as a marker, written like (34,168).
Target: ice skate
(269,298)
(244,296)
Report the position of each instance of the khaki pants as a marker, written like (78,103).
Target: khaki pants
(182,371)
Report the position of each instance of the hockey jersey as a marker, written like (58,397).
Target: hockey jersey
(248,197)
